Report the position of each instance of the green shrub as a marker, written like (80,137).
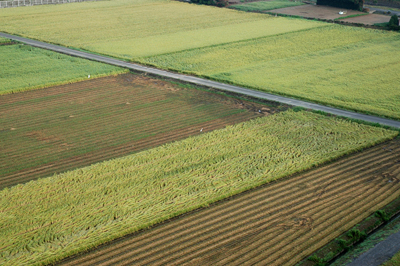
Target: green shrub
(394,23)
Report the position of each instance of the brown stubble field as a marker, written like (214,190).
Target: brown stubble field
(70,126)
(278,224)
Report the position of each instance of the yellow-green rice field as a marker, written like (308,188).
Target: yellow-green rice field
(45,220)
(25,68)
(352,68)
(346,67)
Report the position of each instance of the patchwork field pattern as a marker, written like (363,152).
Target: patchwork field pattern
(278,224)
(61,128)
(51,218)
(130,29)
(352,68)
(25,68)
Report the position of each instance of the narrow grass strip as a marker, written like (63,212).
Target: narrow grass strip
(46,220)
(25,67)
(265,5)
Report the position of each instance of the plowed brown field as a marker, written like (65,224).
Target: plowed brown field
(53,130)
(277,224)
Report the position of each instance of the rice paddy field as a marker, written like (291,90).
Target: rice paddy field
(25,67)
(280,223)
(130,29)
(53,130)
(50,218)
(351,68)
(260,6)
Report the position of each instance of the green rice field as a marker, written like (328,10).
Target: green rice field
(260,6)
(345,67)
(45,220)
(134,28)
(25,68)
(352,68)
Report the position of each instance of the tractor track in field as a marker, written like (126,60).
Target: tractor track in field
(277,224)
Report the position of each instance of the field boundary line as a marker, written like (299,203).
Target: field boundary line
(205,82)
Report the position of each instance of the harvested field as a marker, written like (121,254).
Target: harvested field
(278,224)
(57,129)
(370,19)
(49,219)
(315,11)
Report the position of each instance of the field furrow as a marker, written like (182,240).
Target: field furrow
(66,127)
(277,224)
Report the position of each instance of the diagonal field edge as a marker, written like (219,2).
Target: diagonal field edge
(205,82)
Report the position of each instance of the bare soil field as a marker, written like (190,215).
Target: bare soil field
(315,11)
(61,128)
(278,224)
(370,19)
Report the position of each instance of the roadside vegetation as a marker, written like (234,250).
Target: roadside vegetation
(51,218)
(4,40)
(394,261)
(261,6)
(25,68)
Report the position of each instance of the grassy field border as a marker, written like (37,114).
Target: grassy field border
(57,83)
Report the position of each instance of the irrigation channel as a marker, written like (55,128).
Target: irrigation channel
(205,82)
(279,223)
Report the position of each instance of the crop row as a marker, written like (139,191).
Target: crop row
(278,224)
(67,213)
(46,131)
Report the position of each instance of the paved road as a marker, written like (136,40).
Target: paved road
(204,82)
(379,254)
(384,11)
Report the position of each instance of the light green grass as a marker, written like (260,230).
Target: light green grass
(395,261)
(4,40)
(51,218)
(24,68)
(266,5)
(134,28)
(352,68)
